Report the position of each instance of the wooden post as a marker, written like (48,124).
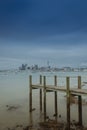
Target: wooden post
(40,94)
(79,103)
(44,98)
(30,93)
(30,118)
(68,102)
(55,95)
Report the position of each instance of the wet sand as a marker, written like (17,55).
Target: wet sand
(12,115)
(15,115)
(14,105)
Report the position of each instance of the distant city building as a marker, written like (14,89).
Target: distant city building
(48,68)
(23,67)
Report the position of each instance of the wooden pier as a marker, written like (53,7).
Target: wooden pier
(56,88)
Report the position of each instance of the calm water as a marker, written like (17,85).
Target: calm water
(14,91)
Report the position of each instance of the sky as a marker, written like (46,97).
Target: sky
(37,31)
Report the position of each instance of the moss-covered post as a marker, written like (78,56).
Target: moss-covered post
(30,93)
(40,94)
(55,96)
(44,98)
(68,101)
(79,103)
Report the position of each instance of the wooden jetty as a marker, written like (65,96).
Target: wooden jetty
(56,88)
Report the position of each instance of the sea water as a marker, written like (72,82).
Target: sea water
(14,91)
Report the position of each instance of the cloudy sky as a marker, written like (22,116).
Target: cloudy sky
(35,31)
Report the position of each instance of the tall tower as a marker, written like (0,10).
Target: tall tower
(47,63)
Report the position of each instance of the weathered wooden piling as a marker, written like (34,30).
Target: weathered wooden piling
(55,96)
(79,102)
(30,118)
(30,95)
(44,81)
(40,94)
(68,101)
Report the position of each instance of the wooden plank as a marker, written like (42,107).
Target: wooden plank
(79,91)
(37,86)
(50,88)
(56,88)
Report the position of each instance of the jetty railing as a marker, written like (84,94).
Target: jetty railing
(42,86)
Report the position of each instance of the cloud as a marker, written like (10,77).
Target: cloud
(26,20)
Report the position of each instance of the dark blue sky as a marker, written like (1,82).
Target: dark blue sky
(49,27)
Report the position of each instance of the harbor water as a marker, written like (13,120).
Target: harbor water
(14,98)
